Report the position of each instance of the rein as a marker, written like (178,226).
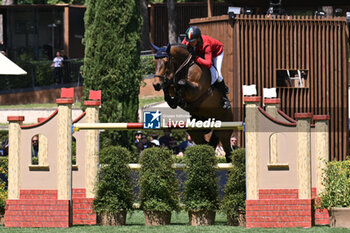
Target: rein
(185,63)
(171,80)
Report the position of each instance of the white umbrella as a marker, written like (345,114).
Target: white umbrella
(8,67)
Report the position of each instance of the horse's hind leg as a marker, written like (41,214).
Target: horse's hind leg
(224,137)
(214,140)
(197,136)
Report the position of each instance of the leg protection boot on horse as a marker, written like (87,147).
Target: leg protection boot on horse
(224,89)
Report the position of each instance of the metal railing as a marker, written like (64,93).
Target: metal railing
(40,74)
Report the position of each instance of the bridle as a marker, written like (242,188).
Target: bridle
(167,81)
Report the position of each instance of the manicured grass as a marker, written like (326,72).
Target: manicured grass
(179,224)
(150,100)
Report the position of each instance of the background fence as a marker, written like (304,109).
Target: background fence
(262,50)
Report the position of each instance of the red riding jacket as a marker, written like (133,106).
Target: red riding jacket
(209,47)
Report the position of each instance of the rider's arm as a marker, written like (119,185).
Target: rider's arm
(207,61)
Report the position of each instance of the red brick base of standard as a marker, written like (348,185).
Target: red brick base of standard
(279,208)
(37,213)
(321,216)
(83,211)
(40,208)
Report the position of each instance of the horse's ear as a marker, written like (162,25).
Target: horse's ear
(168,48)
(154,47)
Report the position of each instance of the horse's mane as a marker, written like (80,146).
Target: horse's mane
(179,45)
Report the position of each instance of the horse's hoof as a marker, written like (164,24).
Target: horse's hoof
(173,106)
(182,82)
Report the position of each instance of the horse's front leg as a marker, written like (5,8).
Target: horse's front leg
(172,102)
(186,83)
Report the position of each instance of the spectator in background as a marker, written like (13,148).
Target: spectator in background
(165,139)
(184,144)
(143,144)
(57,65)
(154,140)
(4,148)
(173,146)
(233,143)
(138,136)
(35,146)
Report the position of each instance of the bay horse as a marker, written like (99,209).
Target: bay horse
(188,85)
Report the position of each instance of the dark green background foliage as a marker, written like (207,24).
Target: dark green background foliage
(235,189)
(201,186)
(3,135)
(114,189)
(336,181)
(112,62)
(147,65)
(158,184)
(3,188)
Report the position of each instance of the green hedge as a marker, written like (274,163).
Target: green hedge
(114,189)
(233,202)
(158,185)
(201,186)
(3,190)
(336,181)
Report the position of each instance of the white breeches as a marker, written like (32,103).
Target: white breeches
(216,73)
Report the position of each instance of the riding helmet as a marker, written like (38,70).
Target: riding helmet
(193,33)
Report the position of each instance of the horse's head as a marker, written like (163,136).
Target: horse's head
(162,64)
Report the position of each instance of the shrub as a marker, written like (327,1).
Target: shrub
(147,65)
(200,187)
(3,135)
(181,159)
(114,189)
(336,181)
(233,202)
(3,188)
(158,185)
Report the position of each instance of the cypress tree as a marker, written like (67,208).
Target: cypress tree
(112,62)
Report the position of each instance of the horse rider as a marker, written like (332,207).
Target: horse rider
(209,53)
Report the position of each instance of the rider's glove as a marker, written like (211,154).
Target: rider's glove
(192,51)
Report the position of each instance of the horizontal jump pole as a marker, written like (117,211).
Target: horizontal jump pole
(238,125)
(181,166)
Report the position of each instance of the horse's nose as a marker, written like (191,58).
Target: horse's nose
(156,87)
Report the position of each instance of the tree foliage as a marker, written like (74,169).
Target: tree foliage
(112,62)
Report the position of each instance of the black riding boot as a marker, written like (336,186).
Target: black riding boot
(224,89)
